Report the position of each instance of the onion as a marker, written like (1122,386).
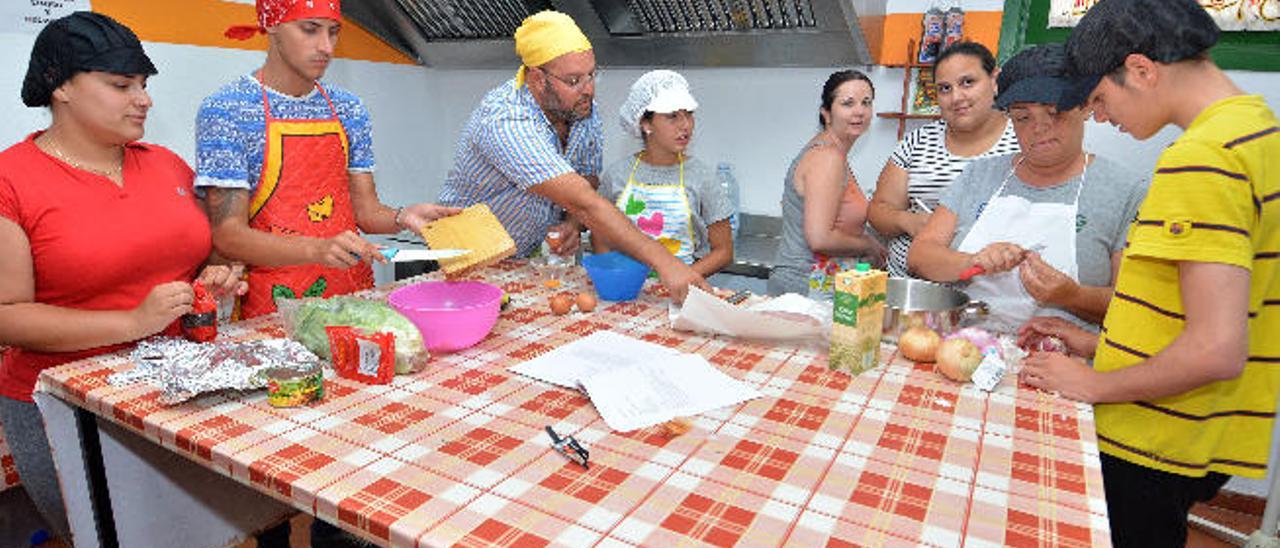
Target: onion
(919,344)
(1051,343)
(984,340)
(916,319)
(958,358)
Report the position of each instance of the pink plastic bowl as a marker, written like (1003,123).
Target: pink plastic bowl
(451,315)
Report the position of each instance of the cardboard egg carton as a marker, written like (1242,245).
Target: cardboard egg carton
(477,229)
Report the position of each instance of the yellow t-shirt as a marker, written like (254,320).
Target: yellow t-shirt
(1215,198)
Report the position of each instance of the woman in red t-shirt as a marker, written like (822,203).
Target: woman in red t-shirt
(100,235)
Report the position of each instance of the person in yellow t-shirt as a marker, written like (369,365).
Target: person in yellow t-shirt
(1185,379)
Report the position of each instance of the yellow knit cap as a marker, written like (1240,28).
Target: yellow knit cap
(544,36)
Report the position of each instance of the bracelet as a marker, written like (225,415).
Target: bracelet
(399,210)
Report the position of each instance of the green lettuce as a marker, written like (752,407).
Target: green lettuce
(313,315)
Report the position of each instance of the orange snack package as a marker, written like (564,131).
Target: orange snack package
(362,356)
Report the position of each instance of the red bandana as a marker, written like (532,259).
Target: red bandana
(274,12)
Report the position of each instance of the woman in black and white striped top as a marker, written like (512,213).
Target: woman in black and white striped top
(931,157)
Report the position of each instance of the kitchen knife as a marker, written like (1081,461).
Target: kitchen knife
(397,255)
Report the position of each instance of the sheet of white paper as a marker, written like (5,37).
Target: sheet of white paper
(789,317)
(646,394)
(600,351)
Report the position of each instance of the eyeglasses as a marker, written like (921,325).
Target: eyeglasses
(576,83)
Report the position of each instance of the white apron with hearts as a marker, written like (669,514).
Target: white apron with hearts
(1016,220)
(661,211)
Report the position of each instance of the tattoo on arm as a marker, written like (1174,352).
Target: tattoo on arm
(224,202)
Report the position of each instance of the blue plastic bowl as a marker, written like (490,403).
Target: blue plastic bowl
(617,277)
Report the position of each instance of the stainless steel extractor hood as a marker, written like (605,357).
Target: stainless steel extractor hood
(708,33)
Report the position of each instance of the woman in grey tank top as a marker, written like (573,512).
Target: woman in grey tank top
(823,210)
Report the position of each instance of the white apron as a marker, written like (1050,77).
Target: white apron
(661,211)
(1016,220)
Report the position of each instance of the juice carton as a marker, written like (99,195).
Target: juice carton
(858,319)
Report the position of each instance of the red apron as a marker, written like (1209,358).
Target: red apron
(304,190)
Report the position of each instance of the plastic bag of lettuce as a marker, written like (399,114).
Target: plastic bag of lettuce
(305,320)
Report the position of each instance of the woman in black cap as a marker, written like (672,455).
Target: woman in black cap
(1041,229)
(100,235)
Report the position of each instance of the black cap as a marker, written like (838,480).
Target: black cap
(80,42)
(1040,74)
(1166,31)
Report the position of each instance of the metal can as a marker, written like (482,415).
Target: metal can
(294,387)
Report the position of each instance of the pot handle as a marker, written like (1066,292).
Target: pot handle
(975,310)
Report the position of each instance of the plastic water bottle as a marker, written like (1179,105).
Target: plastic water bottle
(724,172)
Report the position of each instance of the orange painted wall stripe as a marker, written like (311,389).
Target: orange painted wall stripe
(873,32)
(887,35)
(202,22)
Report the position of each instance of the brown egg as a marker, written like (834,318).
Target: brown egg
(586,302)
(561,304)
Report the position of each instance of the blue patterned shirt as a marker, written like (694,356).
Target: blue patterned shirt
(231,130)
(508,146)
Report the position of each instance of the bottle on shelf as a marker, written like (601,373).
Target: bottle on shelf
(932,35)
(954,24)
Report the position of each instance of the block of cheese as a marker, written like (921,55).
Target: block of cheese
(476,229)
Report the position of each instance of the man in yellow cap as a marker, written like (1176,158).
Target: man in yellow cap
(532,151)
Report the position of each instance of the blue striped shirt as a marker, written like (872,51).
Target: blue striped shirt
(509,146)
(231,130)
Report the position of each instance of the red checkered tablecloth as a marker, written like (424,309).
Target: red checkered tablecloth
(457,455)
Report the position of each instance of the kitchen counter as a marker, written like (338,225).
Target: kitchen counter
(756,246)
(457,454)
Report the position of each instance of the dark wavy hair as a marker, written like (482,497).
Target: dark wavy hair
(968,49)
(834,82)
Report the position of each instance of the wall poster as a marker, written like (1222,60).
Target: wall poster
(1231,15)
(29,16)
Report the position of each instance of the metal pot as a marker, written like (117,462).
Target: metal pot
(943,309)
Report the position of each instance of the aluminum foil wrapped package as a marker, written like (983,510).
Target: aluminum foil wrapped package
(184,369)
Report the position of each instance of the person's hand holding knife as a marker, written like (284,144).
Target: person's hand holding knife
(343,251)
(996,257)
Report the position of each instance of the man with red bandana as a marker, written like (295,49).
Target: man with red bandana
(287,164)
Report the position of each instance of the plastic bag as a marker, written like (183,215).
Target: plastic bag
(305,321)
(362,355)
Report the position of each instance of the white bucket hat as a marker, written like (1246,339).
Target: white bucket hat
(660,91)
